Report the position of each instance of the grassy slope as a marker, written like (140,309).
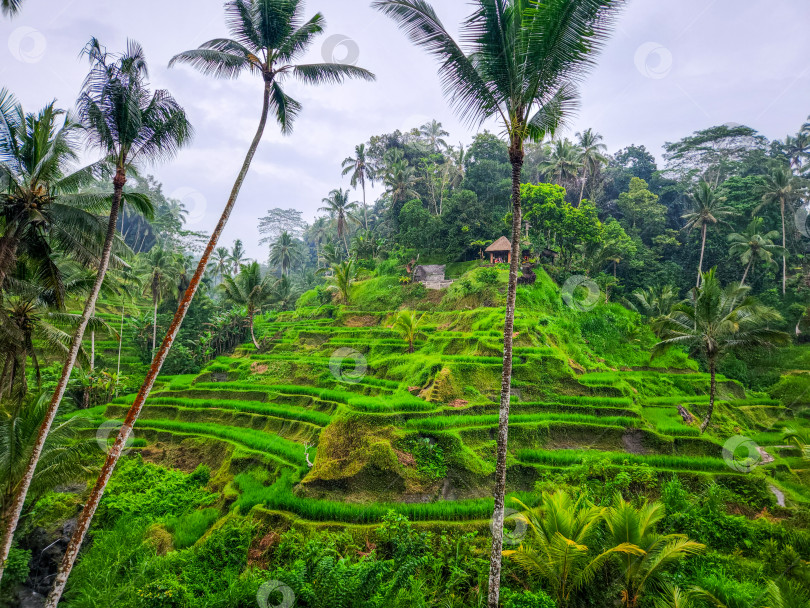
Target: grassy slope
(416,432)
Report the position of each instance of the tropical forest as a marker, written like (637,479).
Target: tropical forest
(499,349)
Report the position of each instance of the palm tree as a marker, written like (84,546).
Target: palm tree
(400,180)
(434,133)
(520,66)
(707,209)
(10,7)
(752,245)
(406,325)
(782,188)
(564,162)
(592,156)
(251,290)
(654,302)
(222,262)
(285,252)
(129,126)
(628,524)
(268,37)
(714,320)
(63,458)
(159,270)
(40,208)
(237,256)
(343,275)
(556,548)
(360,172)
(338,208)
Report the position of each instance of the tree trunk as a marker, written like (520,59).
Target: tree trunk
(516,156)
(120,339)
(784,244)
(584,180)
(83,524)
(745,274)
(712,389)
(154,322)
(8,256)
(252,335)
(13,514)
(365,207)
(702,249)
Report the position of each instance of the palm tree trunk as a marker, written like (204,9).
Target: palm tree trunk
(584,180)
(784,244)
(154,322)
(120,338)
(252,335)
(702,249)
(83,524)
(365,207)
(712,390)
(13,514)
(516,156)
(745,274)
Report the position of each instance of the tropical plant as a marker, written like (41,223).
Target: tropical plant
(520,66)
(158,271)
(237,256)
(400,180)
(564,162)
(361,172)
(654,302)
(707,209)
(714,320)
(406,324)
(11,7)
(285,252)
(222,262)
(268,37)
(338,208)
(251,290)
(556,546)
(592,155)
(434,133)
(753,245)
(644,571)
(129,126)
(781,188)
(342,277)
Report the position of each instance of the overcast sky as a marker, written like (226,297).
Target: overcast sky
(672,67)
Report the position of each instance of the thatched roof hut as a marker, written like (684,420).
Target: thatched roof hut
(500,250)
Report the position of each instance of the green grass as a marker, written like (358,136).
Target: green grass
(189,528)
(571,457)
(444,422)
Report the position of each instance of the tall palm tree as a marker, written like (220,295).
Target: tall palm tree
(753,245)
(519,66)
(644,571)
(159,270)
(556,547)
(338,208)
(714,320)
(41,209)
(343,275)
(268,36)
(251,290)
(592,156)
(406,324)
(238,256)
(707,210)
(564,162)
(434,133)
(361,172)
(285,252)
(222,262)
(400,180)
(129,126)
(781,188)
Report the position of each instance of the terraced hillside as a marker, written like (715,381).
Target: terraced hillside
(333,421)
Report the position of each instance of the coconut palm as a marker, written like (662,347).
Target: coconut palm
(40,209)
(714,320)
(251,290)
(268,37)
(63,458)
(592,156)
(159,270)
(10,7)
(406,324)
(434,133)
(237,256)
(338,208)
(519,66)
(360,172)
(129,126)
(644,572)
(781,188)
(564,162)
(285,252)
(753,245)
(400,180)
(556,546)
(654,302)
(222,262)
(342,277)
(707,210)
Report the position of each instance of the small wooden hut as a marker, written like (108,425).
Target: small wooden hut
(500,251)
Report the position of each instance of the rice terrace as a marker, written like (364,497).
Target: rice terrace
(497,303)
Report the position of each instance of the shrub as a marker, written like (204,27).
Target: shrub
(17,567)
(527,599)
